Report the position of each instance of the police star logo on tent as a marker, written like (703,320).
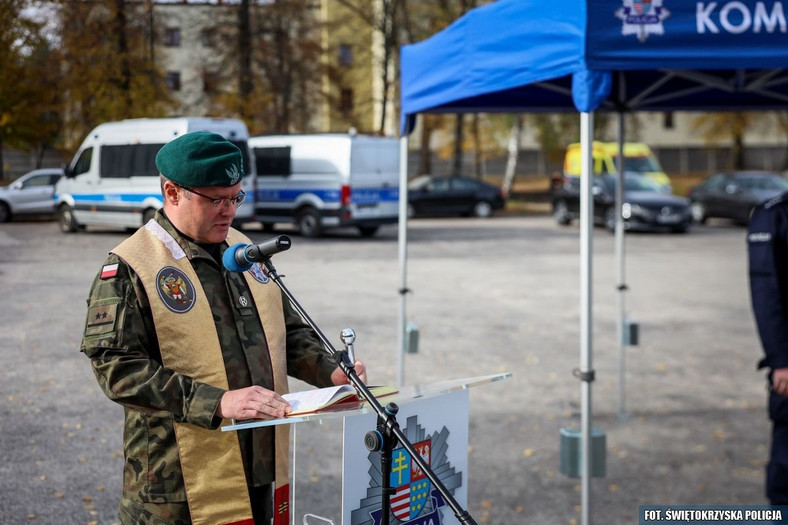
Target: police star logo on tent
(642,18)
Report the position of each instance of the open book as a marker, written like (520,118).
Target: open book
(320,398)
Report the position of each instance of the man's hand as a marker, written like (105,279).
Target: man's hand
(338,377)
(780,381)
(253,402)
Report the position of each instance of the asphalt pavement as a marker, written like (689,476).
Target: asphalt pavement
(489,296)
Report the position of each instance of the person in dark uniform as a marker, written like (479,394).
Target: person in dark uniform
(767,244)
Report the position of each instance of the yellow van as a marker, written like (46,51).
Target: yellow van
(638,157)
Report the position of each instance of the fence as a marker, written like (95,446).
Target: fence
(689,161)
(16,163)
(684,161)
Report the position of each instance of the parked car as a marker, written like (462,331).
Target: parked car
(733,195)
(32,193)
(645,206)
(453,195)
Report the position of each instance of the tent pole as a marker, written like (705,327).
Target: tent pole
(586,252)
(620,276)
(403,256)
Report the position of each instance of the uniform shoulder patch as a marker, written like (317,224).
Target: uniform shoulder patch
(101,319)
(759,237)
(109,271)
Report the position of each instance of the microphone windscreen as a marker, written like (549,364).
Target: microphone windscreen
(230,261)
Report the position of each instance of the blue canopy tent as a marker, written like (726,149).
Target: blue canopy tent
(594,55)
(528,56)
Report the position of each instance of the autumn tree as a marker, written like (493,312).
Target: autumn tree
(271,69)
(287,63)
(107,65)
(782,124)
(245,85)
(729,126)
(28,79)
(554,131)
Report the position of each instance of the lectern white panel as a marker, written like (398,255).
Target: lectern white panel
(438,428)
(434,418)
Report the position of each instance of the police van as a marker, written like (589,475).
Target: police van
(113,181)
(327,180)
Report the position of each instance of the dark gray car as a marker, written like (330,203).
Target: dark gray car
(31,194)
(646,207)
(434,195)
(733,195)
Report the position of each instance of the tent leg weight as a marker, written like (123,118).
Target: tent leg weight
(572,453)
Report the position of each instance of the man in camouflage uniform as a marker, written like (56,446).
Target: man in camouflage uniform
(124,344)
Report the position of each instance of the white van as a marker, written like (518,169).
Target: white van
(326,180)
(113,180)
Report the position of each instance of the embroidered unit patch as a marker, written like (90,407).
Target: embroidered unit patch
(175,289)
(259,273)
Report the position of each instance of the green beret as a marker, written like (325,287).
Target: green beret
(201,158)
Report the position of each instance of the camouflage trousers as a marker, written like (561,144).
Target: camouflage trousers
(132,512)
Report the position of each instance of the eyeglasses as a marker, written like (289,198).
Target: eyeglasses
(224,202)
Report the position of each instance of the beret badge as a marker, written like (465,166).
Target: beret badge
(234,173)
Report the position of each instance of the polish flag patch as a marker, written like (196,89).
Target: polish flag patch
(109,271)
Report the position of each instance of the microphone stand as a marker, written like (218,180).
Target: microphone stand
(387,432)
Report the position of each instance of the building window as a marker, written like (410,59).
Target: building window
(172,37)
(346,100)
(174,80)
(210,82)
(345,55)
(667,120)
(208,36)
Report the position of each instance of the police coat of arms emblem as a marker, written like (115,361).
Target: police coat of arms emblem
(415,500)
(410,482)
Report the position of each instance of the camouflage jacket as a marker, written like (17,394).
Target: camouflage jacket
(123,348)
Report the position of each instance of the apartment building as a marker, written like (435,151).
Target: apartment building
(355,63)
(186,49)
(348,75)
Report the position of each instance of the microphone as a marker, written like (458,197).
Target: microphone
(348,336)
(240,257)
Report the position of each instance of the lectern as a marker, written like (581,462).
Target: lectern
(336,479)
